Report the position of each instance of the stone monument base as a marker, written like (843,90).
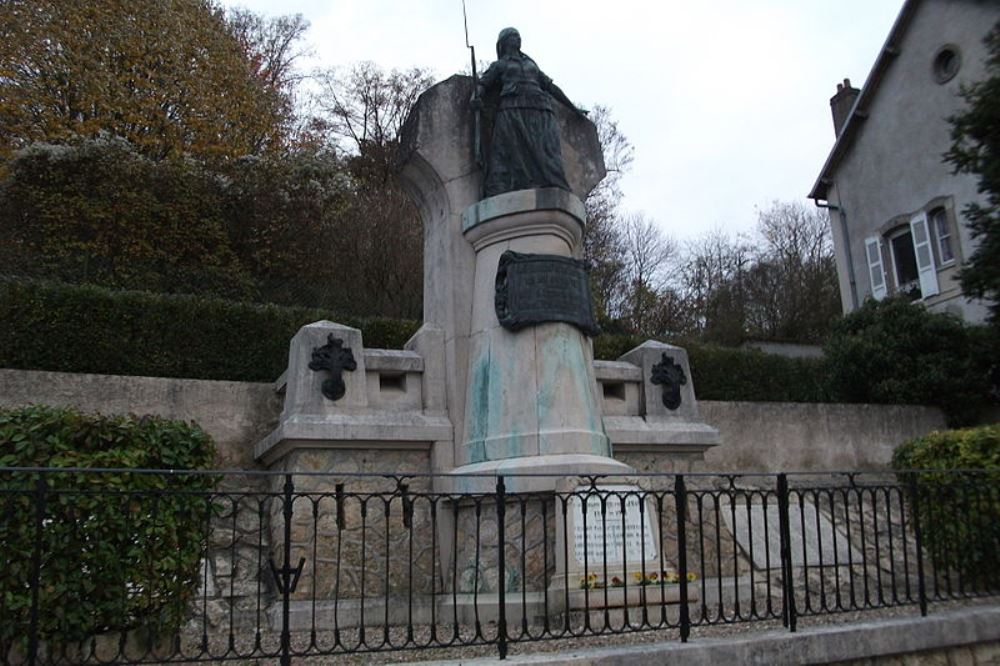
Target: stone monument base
(542,473)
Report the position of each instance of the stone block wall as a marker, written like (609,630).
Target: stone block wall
(756,436)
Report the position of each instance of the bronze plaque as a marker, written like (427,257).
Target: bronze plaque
(536,288)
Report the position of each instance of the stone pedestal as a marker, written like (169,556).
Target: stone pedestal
(659,411)
(440,174)
(389,400)
(532,402)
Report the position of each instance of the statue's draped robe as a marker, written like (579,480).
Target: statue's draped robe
(524,151)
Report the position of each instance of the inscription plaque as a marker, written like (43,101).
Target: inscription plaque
(617,536)
(537,288)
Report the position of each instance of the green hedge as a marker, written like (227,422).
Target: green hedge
(69,328)
(897,352)
(890,352)
(727,373)
(959,511)
(118,554)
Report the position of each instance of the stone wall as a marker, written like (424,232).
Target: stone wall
(235,414)
(756,436)
(785,436)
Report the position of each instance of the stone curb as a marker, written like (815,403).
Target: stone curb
(813,645)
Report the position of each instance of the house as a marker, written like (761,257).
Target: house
(895,206)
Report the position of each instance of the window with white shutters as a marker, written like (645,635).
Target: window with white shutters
(876,274)
(926,269)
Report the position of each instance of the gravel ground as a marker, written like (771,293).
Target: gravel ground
(398,636)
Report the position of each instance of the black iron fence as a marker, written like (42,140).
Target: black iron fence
(143,566)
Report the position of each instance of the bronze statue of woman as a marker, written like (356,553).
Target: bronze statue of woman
(525,151)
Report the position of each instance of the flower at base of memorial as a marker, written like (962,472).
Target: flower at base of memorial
(646,579)
(590,582)
(617,582)
(692,577)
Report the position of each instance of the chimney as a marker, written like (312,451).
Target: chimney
(842,103)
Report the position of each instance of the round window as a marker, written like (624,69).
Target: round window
(947,61)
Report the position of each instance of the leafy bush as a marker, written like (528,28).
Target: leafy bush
(117,552)
(959,512)
(968,448)
(70,328)
(894,351)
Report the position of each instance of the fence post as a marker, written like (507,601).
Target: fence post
(501,498)
(788,615)
(680,500)
(911,482)
(284,579)
(36,567)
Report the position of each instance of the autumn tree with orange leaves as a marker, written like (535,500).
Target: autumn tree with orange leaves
(173,78)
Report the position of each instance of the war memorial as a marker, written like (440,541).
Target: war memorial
(491,484)
(501,379)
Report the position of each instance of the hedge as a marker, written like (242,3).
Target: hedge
(959,511)
(885,353)
(727,373)
(119,554)
(897,352)
(71,328)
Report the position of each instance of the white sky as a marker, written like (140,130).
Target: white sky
(725,101)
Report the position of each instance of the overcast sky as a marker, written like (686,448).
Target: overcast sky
(725,101)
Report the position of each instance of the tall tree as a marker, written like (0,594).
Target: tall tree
(363,107)
(272,47)
(975,149)
(171,77)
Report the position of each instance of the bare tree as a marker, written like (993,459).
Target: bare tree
(712,284)
(649,257)
(603,246)
(365,105)
(778,284)
(792,289)
(361,111)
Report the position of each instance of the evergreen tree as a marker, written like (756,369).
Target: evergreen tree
(976,150)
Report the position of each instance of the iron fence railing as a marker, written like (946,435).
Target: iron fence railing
(141,566)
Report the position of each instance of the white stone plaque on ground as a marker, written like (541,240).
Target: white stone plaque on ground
(617,534)
(810,532)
